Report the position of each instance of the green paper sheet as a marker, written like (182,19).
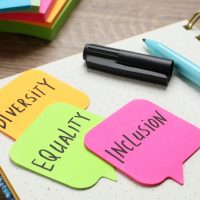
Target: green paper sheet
(39,31)
(53,146)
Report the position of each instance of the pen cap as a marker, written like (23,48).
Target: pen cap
(147,62)
(129,64)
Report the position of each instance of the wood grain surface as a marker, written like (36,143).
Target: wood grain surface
(93,21)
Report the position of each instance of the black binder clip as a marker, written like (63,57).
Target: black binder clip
(128,64)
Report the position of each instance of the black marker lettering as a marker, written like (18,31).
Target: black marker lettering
(114,156)
(45,83)
(33,99)
(160,118)
(17,108)
(149,126)
(132,141)
(60,146)
(72,136)
(73,128)
(73,122)
(37,95)
(48,155)
(138,135)
(11,111)
(120,150)
(36,87)
(23,103)
(123,149)
(42,165)
(153,123)
(123,142)
(65,139)
(82,117)
(144,130)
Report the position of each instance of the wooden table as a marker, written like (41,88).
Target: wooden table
(93,21)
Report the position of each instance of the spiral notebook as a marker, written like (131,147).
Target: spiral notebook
(107,94)
(6,190)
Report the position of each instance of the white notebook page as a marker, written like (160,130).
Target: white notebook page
(107,94)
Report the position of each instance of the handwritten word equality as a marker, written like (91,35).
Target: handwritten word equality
(63,140)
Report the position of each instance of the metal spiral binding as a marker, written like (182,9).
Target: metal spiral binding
(192,21)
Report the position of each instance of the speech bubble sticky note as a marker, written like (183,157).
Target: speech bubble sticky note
(145,142)
(53,146)
(23,99)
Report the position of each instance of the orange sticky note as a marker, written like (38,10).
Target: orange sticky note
(55,11)
(23,99)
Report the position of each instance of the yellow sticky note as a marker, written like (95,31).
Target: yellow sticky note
(23,99)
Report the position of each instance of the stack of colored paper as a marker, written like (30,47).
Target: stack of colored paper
(39,18)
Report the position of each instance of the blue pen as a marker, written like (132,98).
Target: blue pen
(184,66)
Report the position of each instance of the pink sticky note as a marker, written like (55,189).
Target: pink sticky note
(44,11)
(145,142)
(46,6)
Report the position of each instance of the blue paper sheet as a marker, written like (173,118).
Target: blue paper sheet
(8,5)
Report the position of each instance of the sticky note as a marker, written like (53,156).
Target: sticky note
(145,142)
(19,5)
(59,5)
(7,5)
(44,10)
(24,98)
(46,6)
(53,146)
(47,30)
